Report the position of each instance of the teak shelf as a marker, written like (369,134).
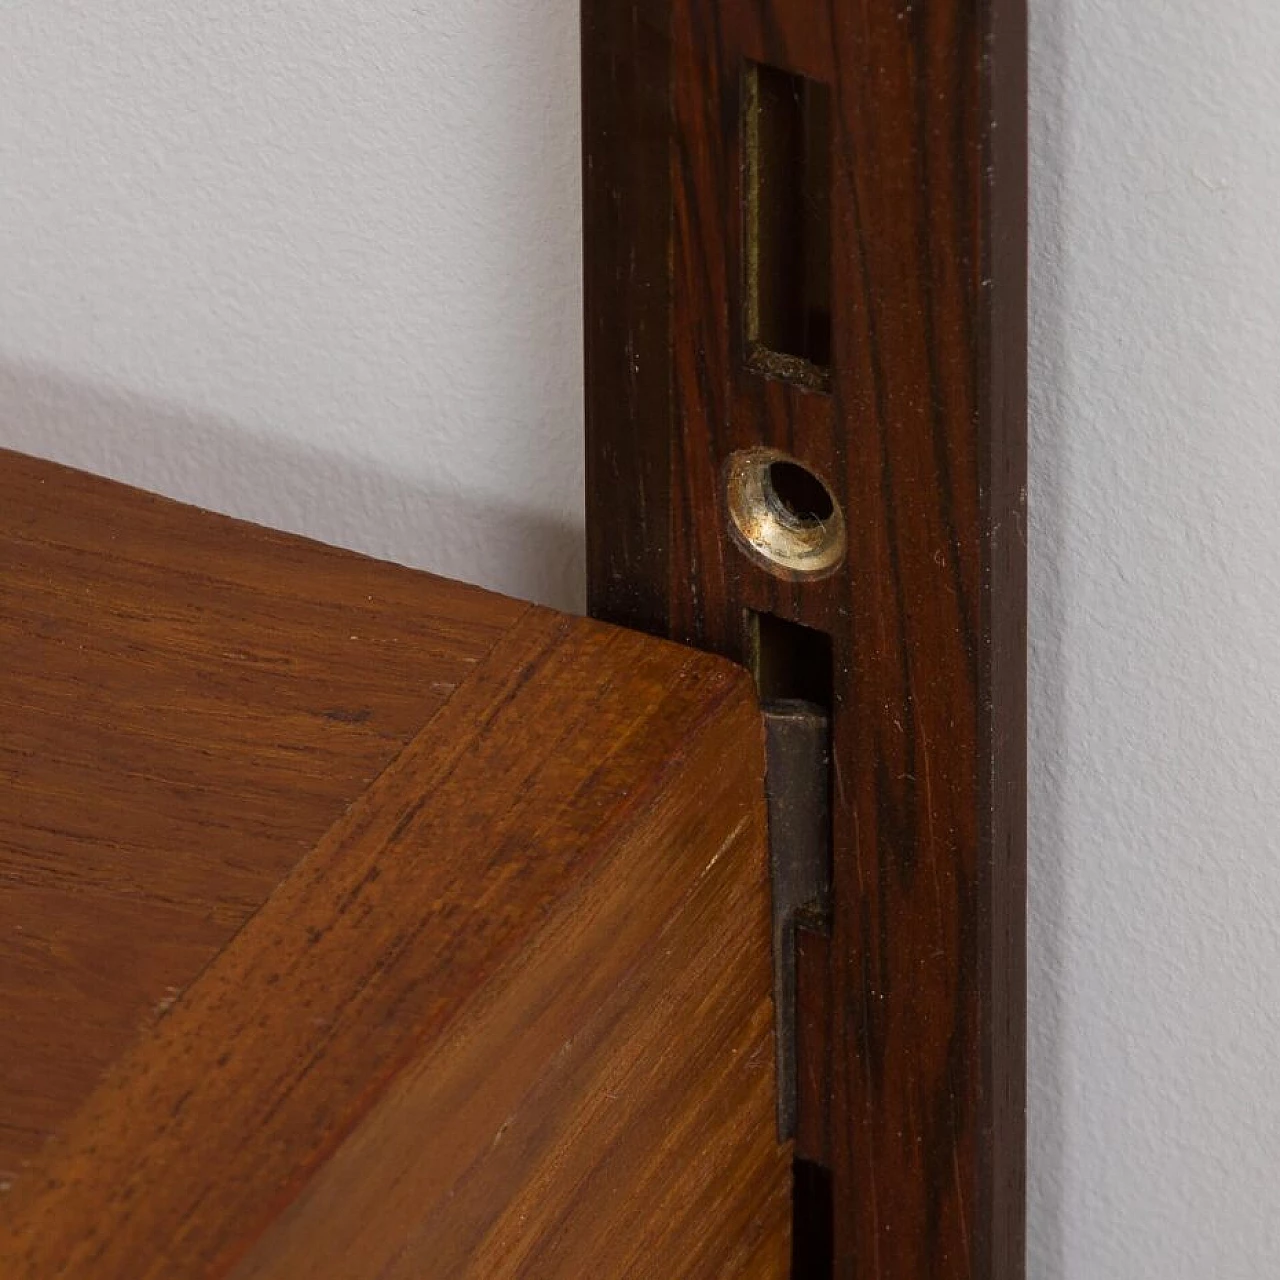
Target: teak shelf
(358,923)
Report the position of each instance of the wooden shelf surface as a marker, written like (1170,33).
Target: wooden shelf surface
(356,922)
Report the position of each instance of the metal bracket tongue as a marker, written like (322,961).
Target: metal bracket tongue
(797,786)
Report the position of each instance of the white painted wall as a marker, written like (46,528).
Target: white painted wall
(317,264)
(1156,640)
(312,263)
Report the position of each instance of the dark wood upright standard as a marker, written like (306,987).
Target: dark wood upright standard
(358,923)
(805,231)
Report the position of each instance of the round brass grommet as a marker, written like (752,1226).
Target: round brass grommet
(782,515)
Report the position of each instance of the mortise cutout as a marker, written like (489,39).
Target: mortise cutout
(787,199)
(794,663)
(788,660)
(813,1222)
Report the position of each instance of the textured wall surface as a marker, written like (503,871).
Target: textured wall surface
(1155,816)
(318,265)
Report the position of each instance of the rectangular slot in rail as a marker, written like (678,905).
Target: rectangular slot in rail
(787,169)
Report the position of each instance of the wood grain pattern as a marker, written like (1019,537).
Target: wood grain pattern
(187,703)
(627,862)
(627,285)
(502,1008)
(914,1091)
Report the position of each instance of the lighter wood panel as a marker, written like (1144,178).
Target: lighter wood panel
(510,1017)
(356,923)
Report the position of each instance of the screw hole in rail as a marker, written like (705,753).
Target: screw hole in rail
(782,515)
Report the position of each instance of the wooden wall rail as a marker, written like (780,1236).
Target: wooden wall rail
(913,1033)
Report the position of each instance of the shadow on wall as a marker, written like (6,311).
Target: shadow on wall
(337,500)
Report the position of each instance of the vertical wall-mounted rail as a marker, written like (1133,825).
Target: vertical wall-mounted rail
(805,282)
